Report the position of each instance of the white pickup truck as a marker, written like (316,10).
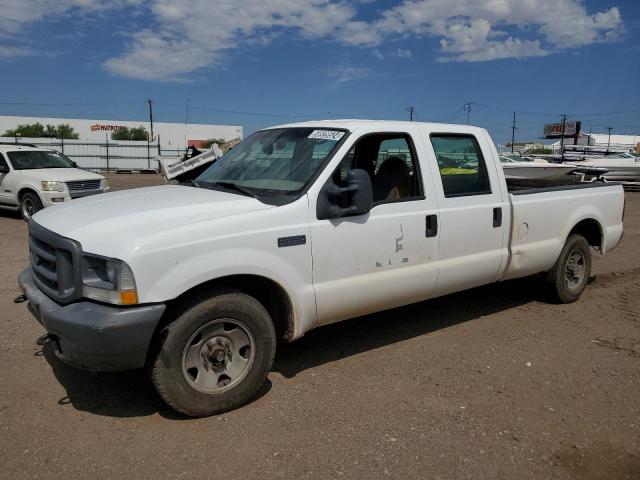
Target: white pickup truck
(299,226)
(33,178)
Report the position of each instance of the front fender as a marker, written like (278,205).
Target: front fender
(180,277)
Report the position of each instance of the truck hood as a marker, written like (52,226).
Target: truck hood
(60,174)
(130,216)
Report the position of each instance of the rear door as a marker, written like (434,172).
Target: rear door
(472,211)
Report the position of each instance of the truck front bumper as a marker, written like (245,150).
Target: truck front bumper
(91,335)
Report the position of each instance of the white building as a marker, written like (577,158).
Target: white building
(96,150)
(171,135)
(602,141)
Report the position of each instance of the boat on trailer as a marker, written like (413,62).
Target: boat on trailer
(523,167)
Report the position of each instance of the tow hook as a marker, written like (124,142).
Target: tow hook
(20,299)
(44,339)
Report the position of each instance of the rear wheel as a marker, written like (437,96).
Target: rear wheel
(215,355)
(29,204)
(570,274)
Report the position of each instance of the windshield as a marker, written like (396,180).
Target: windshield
(278,162)
(32,159)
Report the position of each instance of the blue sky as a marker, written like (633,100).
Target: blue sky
(259,63)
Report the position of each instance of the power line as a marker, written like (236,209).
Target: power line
(553,114)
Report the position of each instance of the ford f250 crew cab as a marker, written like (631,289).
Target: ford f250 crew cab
(33,178)
(299,226)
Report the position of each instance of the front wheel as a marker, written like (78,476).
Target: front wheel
(570,274)
(214,356)
(29,204)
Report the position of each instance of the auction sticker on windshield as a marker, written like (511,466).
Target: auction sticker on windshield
(326,135)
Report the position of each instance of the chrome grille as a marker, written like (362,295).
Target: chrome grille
(81,188)
(55,263)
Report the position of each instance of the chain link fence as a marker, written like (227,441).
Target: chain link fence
(107,156)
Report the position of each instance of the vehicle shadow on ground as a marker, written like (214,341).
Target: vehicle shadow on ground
(118,394)
(131,394)
(10,214)
(333,342)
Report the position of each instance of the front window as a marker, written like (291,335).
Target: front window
(273,163)
(33,159)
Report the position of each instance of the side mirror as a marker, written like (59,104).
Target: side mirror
(354,199)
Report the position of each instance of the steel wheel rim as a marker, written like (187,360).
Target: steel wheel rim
(218,356)
(574,270)
(28,207)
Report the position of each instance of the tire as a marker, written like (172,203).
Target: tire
(571,272)
(29,204)
(216,354)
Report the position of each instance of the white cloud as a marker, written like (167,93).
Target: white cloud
(17,14)
(473,30)
(401,53)
(11,51)
(184,36)
(190,34)
(345,74)
(377,53)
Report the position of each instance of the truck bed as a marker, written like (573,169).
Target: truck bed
(545,211)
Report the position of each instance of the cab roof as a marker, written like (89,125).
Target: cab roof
(381,125)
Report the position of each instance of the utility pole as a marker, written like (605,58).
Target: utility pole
(564,123)
(467,108)
(411,111)
(186,129)
(609,140)
(151,116)
(513,131)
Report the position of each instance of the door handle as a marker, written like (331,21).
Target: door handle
(432,226)
(497,217)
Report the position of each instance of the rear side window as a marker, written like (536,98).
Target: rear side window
(3,162)
(462,168)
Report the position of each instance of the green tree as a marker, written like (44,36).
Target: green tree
(120,134)
(540,151)
(37,130)
(66,131)
(137,133)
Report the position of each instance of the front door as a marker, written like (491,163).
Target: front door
(6,196)
(386,258)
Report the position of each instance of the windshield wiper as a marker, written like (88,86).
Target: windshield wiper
(232,186)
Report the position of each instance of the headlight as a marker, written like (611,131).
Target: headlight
(108,280)
(53,186)
(104,185)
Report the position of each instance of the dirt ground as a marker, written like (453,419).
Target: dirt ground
(490,383)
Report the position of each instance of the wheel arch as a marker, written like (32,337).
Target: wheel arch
(591,230)
(28,189)
(273,296)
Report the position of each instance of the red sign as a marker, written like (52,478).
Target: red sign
(106,128)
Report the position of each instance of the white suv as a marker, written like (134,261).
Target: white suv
(32,178)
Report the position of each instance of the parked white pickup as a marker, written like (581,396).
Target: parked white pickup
(299,226)
(33,178)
